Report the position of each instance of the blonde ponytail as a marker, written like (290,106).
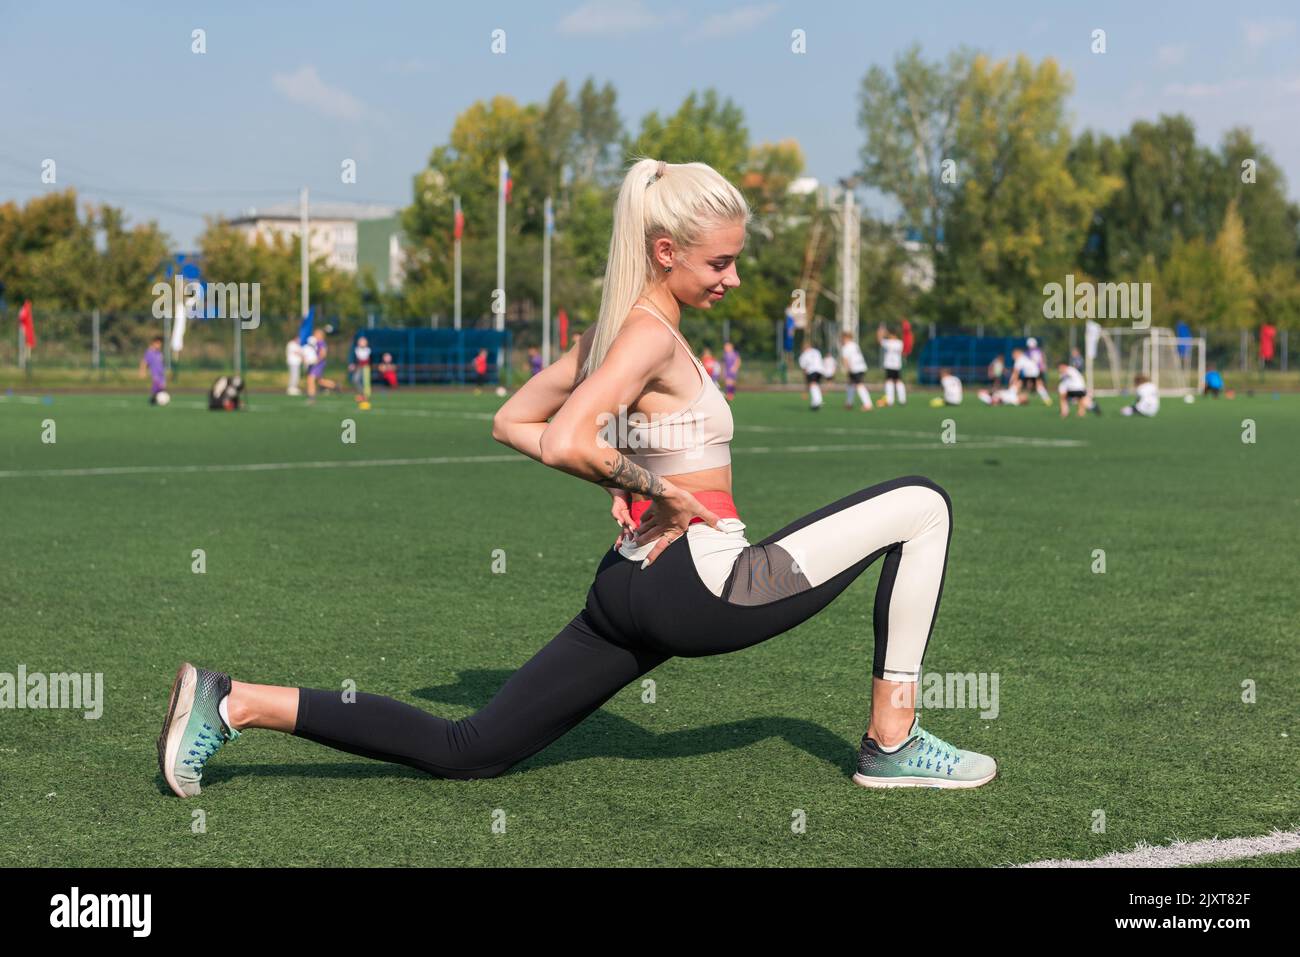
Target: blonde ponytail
(657,199)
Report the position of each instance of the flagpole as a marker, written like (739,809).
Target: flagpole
(239,344)
(546,285)
(502,173)
(303,225)
(456,233)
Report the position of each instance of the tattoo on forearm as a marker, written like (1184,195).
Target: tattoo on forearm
(620,473)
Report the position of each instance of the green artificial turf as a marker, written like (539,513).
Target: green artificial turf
(1118,692)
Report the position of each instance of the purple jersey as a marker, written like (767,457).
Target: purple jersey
(731,363)
(535,363)
(153,359)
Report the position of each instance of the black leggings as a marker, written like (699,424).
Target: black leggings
(637,618)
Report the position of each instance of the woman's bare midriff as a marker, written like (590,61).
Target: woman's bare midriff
(706,480)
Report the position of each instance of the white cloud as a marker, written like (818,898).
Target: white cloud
(1198,91)
(307,88)
(736,20)
(1171,55)
(613,17)
(1260,33)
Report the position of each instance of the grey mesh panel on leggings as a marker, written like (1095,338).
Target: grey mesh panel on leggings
(668,608)
(763,573)
(635,619)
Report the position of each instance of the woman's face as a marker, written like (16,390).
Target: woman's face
(703,274)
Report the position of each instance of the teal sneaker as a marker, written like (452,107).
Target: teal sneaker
(924,761)
(193,730)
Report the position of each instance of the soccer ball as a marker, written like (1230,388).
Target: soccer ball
(501,390)
(162,398)
(1188,399)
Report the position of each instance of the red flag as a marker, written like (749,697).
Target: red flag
(564,329)
(1267,337)
(908,340)
(25,322)
(460,224)
(509,183)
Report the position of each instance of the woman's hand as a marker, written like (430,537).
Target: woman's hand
(669,515)
(621,510)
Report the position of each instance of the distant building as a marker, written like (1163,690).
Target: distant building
(379,247)
(344,235)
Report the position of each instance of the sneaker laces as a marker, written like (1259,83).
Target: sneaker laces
(205,746)
(933,745)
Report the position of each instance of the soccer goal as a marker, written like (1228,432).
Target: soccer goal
(1115,357)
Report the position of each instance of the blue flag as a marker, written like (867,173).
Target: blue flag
(1183,331)
(308,322)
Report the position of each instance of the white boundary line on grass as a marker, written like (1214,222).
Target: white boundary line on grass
(446,460)
(1182,853)
(866,430)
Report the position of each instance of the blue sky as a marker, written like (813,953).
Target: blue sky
(285,92)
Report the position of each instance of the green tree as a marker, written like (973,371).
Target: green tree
(1271,221)
(910,120)
(1233,283)
(1020,215)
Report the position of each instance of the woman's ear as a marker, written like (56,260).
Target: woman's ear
(663,252)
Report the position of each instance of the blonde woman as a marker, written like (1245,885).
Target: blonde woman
(681,580)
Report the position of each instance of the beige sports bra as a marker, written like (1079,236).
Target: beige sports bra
(693,439)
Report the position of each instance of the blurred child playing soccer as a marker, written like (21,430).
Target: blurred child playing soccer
(360,369)
(314,354)
(156,366)
(951,386)
(1073,388)
(730,369)
(1213,381)
(388,371)
(1148,399)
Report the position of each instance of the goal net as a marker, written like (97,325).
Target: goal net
(1114,358)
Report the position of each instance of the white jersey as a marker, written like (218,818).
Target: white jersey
(1148,398)
(851,353)
(363,355)
(1027,368)
(951,389)
(828,366)
(893,349)
(810,360)
(1008,396)
(293,353)
(1072,381)
(308,352)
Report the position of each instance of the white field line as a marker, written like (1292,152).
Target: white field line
(448,460)
(1182,853)
(865,431)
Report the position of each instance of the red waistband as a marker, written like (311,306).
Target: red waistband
(719,503)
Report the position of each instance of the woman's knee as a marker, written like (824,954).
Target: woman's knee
(933,501)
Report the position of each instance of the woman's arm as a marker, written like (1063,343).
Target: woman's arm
(575,441)
(522,420)
(578,438)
